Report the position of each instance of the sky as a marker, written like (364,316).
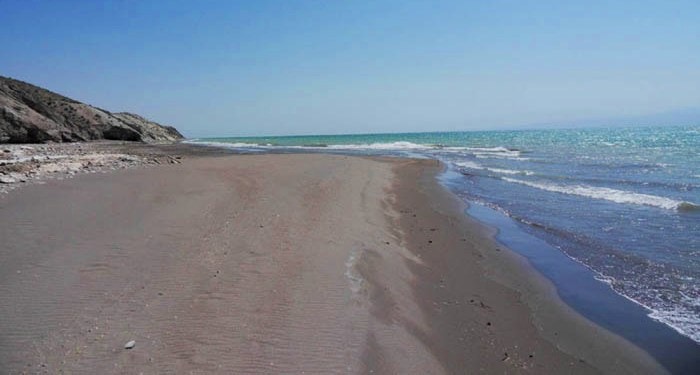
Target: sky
(237,68)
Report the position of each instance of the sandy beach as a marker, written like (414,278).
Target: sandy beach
(287,263)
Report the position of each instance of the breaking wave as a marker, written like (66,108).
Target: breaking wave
(473,165)
(479,152)
(613,195)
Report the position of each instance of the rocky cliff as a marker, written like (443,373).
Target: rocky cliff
(30,114)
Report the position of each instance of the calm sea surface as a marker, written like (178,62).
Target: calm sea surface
(625,202)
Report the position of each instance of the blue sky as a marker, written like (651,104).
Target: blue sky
(218,68)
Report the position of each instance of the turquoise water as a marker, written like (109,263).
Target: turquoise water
(623,201)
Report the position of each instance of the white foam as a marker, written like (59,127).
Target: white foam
(398,145)
(404,145)
(468,164)
(482,155)
(241,144)
(365,146)
(382,146)
(497,149)
(681,320)
(480,152)
(473,165)
(509,171)
(602,278)
(613,195)
(495,152)
(226,144)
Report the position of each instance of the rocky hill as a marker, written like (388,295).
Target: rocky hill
(30,114)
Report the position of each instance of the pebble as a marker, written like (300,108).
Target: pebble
(130,344)
(42,162)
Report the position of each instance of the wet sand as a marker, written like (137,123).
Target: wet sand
(276,264)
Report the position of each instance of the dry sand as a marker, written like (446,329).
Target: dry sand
(276,264)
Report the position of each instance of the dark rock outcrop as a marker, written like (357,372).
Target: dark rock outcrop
(30,114)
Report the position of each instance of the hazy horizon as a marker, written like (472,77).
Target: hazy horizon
(308,67)
(578,126)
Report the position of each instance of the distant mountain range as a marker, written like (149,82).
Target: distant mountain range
(31,114)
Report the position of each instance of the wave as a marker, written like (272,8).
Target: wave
(473,165)
(680,315)
(613,195)
(480,152)
(496,153)
(683,321)
(682,318)
(509,171)
(622,165)
(469,164)
(500,156)
(224,144)
(687,206)
(315,145)
(364,146)
(401,145)
(493,149)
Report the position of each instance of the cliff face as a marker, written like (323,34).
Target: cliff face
(30,114)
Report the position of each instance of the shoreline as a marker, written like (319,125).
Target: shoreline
(552,319)
(577,287)
(374,239)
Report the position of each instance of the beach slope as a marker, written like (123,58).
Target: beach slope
(275,263)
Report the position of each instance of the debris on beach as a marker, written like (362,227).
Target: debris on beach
(7,180)
(130,344)
(26,164)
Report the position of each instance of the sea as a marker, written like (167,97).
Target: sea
(621,202)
